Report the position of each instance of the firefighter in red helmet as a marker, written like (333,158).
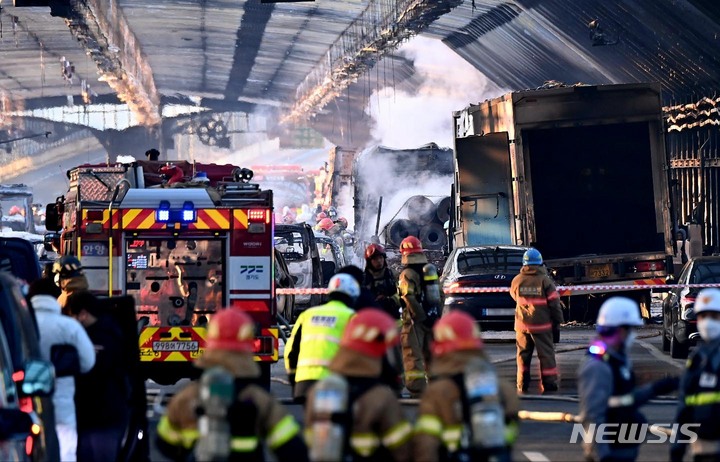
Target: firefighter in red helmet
(452,419)
(352,404)
(421,301)
(227,415)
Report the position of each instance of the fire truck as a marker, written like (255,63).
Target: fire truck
(180,247)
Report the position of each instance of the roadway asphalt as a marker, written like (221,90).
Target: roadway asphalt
(538,441)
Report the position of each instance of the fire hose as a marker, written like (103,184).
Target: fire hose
(554,416)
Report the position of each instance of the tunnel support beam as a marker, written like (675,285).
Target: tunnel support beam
(102,28)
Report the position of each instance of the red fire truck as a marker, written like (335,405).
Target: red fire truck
(182,248)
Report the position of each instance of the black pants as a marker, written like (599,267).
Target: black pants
(99,444)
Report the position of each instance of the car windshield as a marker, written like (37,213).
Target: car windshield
(490,259)
(706,273)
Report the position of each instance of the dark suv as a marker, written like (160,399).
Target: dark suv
(483,267)
(679,323)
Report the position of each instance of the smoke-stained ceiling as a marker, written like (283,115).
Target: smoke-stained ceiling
(309,61)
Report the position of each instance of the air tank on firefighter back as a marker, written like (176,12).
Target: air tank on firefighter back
(412,183)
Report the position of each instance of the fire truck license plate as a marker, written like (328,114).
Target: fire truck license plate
(599,271)
(175,346)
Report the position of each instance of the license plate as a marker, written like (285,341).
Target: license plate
(600,271)
(498,312)
(175,346)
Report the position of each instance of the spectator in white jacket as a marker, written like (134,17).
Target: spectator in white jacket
(60,331)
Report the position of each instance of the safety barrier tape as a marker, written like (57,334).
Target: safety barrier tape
(477,290)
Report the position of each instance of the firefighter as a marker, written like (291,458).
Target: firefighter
(699,397)
(351,414)
(450,425)
(606,382)
(227,415)
(380,280)
(421,302)
(315,337)
(538,310)
(70,277)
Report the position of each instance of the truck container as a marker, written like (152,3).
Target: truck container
(578,172)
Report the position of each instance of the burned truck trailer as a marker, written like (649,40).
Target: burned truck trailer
(578,172)
(403,192)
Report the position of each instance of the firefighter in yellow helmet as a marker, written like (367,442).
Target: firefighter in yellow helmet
(465,413)
(421,305)
(227,415)
(351,414)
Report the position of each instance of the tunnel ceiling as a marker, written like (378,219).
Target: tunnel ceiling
(233,54)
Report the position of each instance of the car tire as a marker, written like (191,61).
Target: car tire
(678,349)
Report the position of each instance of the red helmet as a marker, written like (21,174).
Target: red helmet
(231,330)
(370,332)
(374,249)
(410,245)
(456,331)
(325,224)
(342,221)
(320,216)
(15,210)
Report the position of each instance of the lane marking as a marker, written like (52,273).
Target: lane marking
(657,354)
(533,456)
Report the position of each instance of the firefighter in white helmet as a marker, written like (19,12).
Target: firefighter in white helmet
(315,337)
(466,412)
(351,414)
(606,381)
(699,397)
(227,415)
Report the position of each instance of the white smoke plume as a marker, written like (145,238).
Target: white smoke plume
(450,83)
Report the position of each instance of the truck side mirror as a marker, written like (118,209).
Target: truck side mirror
(51,242)
(52,218)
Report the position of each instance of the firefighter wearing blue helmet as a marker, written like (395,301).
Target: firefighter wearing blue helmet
(538,310)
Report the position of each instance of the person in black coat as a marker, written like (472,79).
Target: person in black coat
(102,396)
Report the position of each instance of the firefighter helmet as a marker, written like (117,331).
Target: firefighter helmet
(532,256)
(325,224)
(15,210)
(344,284)
(370,332)
(68,267)
(456,331)
(374,249)
(342,221)
(618,312)
(320,216)
(707,300)
(410,245)
(231,330)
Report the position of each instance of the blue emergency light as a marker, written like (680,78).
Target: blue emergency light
(164,214)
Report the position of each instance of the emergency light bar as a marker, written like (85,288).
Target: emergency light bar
(164,214)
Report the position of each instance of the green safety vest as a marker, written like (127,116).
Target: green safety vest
(321,329)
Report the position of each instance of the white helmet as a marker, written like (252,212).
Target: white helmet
(619,311)
(707,300)
(344,284)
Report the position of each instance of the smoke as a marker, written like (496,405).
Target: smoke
(449,83)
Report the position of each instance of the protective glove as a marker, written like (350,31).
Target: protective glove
(666,385)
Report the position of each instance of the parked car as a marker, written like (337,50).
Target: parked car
(332,256)
(483,266)
(298,247)
(15,425)
(679,323)
(33,377)
(283,280)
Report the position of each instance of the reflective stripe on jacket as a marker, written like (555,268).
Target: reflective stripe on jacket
(315,340)
(537,301)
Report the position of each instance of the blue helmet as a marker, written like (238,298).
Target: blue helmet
(532,257)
